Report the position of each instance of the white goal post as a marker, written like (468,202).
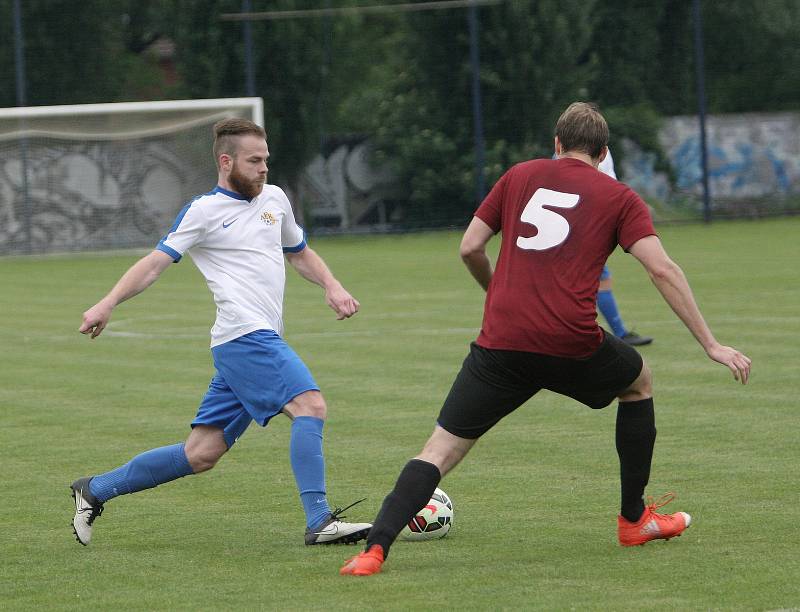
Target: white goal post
(100,176)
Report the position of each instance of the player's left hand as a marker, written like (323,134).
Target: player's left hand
(95,319)
(342,303)
(737,362)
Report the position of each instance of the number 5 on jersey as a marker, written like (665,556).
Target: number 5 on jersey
(553,228)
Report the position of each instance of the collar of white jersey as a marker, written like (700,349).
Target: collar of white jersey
(229,193)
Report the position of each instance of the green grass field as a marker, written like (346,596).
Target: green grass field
(535,502)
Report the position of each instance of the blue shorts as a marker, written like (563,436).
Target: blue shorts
(257,375)
(605,274)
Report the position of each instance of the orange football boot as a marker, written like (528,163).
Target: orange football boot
(652,525)
(365,564)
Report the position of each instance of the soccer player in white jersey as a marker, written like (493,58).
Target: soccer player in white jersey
(238,235)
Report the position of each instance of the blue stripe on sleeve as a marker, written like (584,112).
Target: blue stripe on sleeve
(295,249)
(176,257)
(178,219)
(163,247)
(299,247)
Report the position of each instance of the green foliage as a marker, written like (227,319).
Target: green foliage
(404,80)
(644,54)
(535,501)
(424,125)
(76,53)
(206,58)
(639,123)
(759,72)
(310,72)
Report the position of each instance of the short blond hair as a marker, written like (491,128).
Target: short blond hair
(227,133)
(582,128)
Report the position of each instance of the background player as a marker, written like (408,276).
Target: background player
(606,303)
(540,329)
(237,236)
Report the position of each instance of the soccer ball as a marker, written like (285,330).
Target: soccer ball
(432,522)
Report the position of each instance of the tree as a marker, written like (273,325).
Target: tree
(75,53)
(533,61)
(752,55)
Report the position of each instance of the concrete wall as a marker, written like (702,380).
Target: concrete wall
(750,156)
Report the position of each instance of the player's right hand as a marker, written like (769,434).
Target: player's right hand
(737,362)
(341,302)
(95,320)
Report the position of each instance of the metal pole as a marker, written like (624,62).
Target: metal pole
(699,61)
(19,56)
(477,116)
(249,65)
(19,64)
(324,71)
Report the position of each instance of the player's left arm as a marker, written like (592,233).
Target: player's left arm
(473,251)
(312,267)
(670,280)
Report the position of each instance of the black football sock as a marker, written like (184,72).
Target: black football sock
(411,492)
(636,437)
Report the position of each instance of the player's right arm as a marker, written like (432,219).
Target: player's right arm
(139,277)
(473,251)
(670,280)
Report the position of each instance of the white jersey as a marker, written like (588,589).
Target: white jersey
(238,245)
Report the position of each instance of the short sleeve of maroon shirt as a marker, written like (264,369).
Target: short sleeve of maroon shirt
(560,220)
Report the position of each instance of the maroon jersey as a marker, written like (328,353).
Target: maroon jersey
(560,220)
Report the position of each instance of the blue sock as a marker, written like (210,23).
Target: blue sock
(144,471)
(608,308)
(308,465)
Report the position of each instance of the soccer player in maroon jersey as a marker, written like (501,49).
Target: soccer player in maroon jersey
(560,220)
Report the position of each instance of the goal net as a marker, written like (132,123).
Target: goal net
(105,176)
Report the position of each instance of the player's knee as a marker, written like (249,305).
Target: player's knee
(642,387)
(310,403)
(445,450)
(204,457)
(205,448)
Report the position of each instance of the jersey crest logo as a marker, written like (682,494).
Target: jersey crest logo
(268,218)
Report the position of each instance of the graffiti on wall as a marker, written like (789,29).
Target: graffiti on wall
(638,170)
(750,156)
(82,196)
(342,189)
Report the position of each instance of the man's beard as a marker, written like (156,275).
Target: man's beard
(244,186)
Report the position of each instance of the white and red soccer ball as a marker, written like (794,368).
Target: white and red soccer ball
(431,522)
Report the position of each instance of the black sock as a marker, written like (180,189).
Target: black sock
(411,492)
(636,437)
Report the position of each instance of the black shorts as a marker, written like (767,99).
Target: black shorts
(493,383)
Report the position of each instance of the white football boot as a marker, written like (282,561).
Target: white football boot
(87,508)
(335,531)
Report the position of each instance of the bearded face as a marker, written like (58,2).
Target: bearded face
(246,180)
